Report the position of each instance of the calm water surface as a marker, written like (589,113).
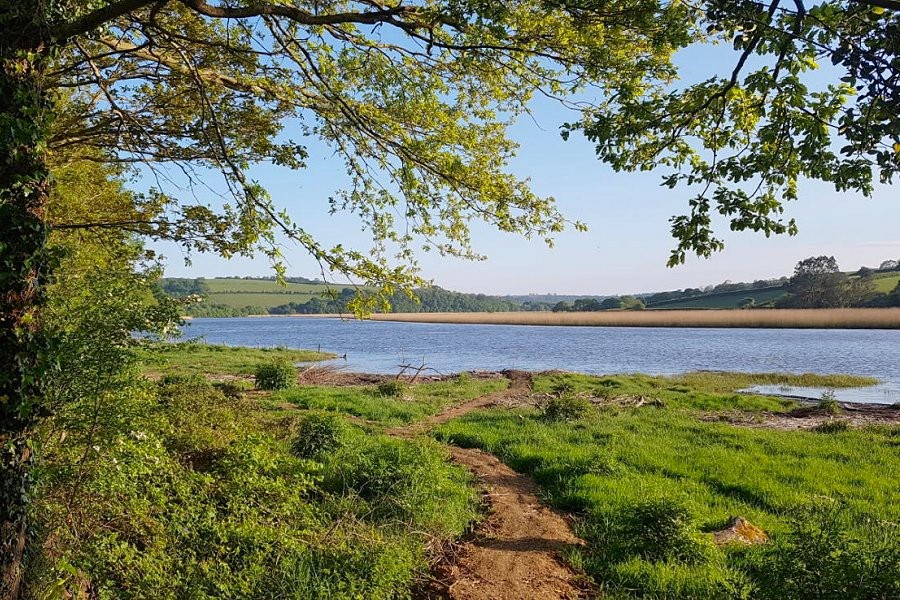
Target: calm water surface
(380,347)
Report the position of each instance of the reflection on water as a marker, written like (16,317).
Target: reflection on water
(380,347)
(877,394)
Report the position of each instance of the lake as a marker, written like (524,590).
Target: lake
(381,347)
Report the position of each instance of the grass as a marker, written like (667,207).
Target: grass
(837,318)
(724,300)
(367,402)
(678,477)
(886,282)
(698,390)
(220,286)
(191,358)
(261,300)
(181,491)
(239,293)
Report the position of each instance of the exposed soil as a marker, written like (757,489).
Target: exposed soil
(514,554)
(810,417)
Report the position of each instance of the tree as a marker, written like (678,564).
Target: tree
(586,305)
(632,303)
(414,99)
(748,302)
(562,306)
(817,283)
(743,139)
(611,303)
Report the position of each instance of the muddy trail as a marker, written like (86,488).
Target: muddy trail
(515,551)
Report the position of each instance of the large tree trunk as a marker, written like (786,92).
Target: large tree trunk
(24,188)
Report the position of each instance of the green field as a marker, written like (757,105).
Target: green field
(238,293)
(887,282)
(725,299)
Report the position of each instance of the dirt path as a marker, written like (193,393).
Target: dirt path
(515,553)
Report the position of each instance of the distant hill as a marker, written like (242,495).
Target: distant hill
(228,297)
(237,296)
(762,296)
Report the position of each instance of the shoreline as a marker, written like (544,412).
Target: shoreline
(828,318)
(782,318)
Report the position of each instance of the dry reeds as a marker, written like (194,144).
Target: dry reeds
(830,318)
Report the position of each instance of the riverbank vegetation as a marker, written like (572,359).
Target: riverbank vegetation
(652,466)
(838,318)
(179,489)
(195,484)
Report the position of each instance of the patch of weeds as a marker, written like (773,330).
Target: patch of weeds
(193,380)
(231,389)
(563,388)
(833,426)
(829,553)
(318,433)
(392,388)
(567,408)
(276,375)
(663,529)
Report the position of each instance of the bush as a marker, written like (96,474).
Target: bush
(392,389)
(567,408)
(829,404)
(276,375)
(664,530)
(318,433)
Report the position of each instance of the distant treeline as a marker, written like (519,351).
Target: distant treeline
(817,282)
(433,299)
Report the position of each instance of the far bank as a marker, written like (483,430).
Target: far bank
(830,318)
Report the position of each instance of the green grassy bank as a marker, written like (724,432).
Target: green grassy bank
(178,488)
(652,469)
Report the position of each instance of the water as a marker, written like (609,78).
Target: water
(381,347)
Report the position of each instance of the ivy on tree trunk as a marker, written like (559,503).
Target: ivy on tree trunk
(24,190)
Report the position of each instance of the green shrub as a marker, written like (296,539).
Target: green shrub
(567,408)
(276,375)
(318,433)
(392,389)
(829,404)
(664,530)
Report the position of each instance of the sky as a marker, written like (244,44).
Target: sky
(627,243)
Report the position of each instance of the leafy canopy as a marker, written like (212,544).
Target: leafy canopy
(415,99)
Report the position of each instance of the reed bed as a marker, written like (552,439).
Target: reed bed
(831,318)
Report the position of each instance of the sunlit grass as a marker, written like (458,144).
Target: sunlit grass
(416,402)
(608,464)
(189,358)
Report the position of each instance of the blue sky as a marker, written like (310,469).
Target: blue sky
(628,241)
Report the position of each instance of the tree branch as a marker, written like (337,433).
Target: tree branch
(95,19)
(296,14)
